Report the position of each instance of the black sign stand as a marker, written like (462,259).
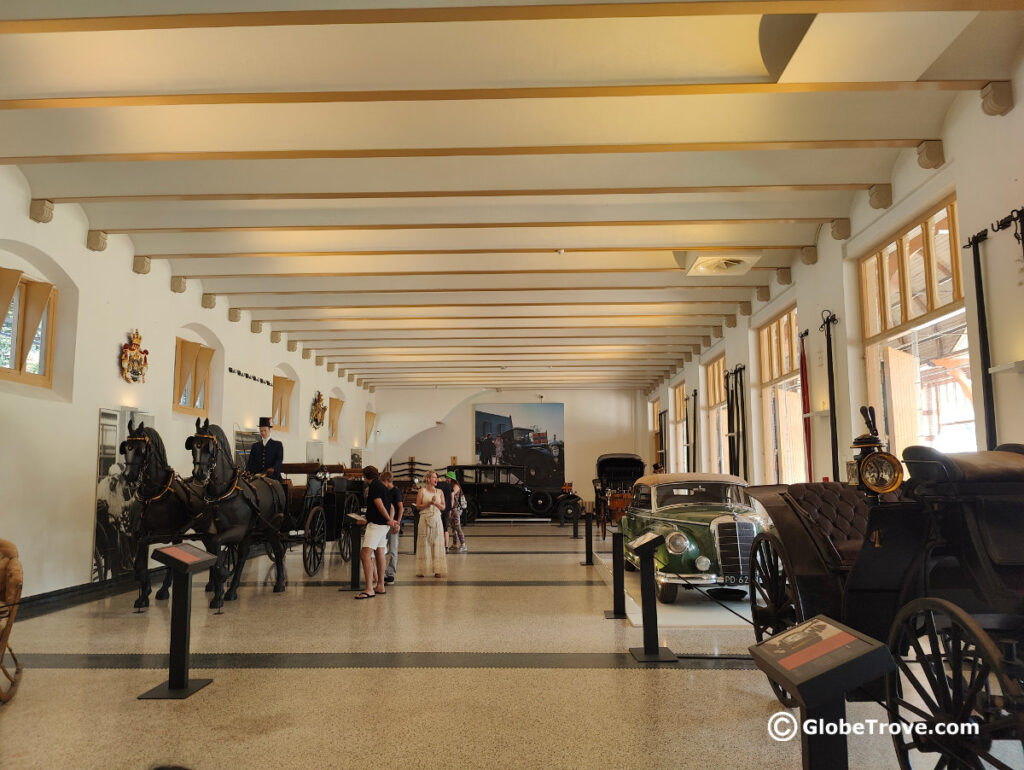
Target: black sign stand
(818,662)
(589,534)
(184,561)
(644,547)
(355,533)
(618,611)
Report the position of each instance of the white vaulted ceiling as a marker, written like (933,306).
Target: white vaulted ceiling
(477,195)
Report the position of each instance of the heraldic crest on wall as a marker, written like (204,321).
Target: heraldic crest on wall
(134,360)
(317,410)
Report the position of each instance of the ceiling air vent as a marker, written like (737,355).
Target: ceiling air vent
(704,264)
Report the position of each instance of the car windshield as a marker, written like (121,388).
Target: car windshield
(700,493)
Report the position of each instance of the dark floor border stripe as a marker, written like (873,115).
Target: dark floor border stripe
(432,582)
(336,660)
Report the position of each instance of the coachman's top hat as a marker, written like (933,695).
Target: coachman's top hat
(265,422)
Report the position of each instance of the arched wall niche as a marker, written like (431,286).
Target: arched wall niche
(298,418)
(39,264)
(197,332)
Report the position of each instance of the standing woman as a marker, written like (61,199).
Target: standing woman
(430,556)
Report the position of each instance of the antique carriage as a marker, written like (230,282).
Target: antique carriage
(936,568)
(613,486)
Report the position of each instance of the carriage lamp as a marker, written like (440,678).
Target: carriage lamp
(876,470)
(703,563)
(677,543)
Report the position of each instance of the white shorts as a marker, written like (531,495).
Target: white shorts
(376,536)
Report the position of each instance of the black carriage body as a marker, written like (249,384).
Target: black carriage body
(616,472)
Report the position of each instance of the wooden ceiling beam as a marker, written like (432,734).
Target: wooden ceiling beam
(483,193)
(483,94)
(456,252)
(492,13)
(555,271)
(453,152)
(473,290)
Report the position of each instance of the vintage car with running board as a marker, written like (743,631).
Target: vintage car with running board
(709,523)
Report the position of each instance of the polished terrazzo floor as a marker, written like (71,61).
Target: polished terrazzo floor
(508,663)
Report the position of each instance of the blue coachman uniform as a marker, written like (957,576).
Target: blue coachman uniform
(262,457)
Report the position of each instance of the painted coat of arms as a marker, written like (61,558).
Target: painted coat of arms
(317,410)
(134,360)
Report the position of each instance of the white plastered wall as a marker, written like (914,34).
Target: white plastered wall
(985,169)
(48,452)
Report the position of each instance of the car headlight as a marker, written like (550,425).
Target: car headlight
(703,563)
(677,543)
(554,451)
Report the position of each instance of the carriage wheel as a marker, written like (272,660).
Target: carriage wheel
(314,541)
(774,597)
(951,671)
(472,511)
(344,536)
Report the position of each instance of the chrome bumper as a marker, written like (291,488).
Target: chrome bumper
(701,579)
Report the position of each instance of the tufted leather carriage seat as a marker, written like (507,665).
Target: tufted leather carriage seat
(839,512)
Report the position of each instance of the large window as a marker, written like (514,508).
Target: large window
(192,378)
(782,401)
(680,462)
(333,417)
(26,329)
(718,419)
(915,333)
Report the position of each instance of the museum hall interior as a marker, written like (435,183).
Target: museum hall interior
(512,383)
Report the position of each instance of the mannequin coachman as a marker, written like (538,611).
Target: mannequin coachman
(266,455)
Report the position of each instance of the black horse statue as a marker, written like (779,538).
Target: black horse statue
(167,506)
(241,511)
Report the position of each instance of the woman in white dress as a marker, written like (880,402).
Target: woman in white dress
(430,556)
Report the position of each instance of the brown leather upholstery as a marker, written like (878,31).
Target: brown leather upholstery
(838,511)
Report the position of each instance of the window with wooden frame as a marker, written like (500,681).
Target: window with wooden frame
(192,378)
(27,329)
(782,401)
(718,422)
(679,422)
(282,403)
(333,418)
(915,336)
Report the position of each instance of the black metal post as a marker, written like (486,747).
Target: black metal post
(695,441)
(987,395)
(576,525)
(828,321)
(820,751)
(650,652)
(589,535)
(415,530)
(355,533)
(618,611)
(730,422)
(178,685)
(741,427)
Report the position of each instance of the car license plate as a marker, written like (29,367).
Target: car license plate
(735,579)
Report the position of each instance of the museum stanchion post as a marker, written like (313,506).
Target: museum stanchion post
(818,662)
(355,533)
(618,611)
(576,527)
(644,548)
(183,560)
(589,535)
(415,530)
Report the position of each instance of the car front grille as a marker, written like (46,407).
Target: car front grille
(733,540)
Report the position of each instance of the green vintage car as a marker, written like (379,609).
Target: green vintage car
(708,522)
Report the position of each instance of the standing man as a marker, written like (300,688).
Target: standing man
(397,508)
(267,454)
(378,523)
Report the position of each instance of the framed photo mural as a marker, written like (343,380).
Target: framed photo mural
(528,437)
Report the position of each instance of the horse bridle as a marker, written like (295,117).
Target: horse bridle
(142,475)
(213,464)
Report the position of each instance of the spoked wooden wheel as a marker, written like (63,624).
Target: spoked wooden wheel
(774,597)
(950,672)
(314,542)
(344,533)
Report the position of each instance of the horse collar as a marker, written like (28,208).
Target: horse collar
(226,495)
(166,489)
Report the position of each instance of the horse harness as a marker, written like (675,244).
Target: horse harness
(244,488)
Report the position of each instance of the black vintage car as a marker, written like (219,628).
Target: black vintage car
(500,489)
(542,462)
